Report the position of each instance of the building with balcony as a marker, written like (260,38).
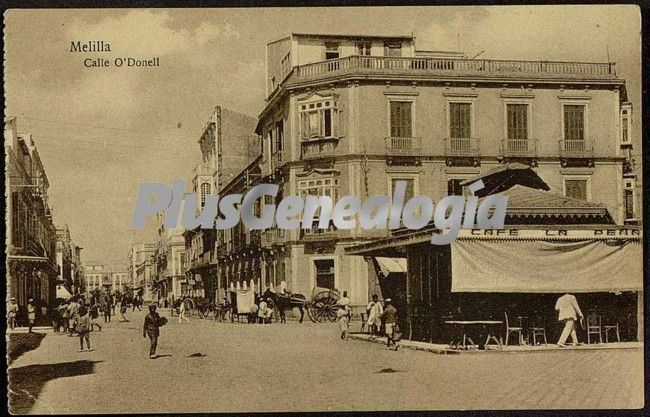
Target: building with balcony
(238,255)
(167,262)
(228,144)
(31,234)
(355,114)
(140,268)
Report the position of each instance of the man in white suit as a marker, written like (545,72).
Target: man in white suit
(568,312)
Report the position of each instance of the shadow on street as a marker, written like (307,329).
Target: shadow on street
(20,343)
(26,382)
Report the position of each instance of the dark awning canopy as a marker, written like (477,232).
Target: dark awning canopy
(505,176)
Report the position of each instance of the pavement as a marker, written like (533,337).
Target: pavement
(208,366)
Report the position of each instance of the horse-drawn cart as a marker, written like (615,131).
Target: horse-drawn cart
(321,307)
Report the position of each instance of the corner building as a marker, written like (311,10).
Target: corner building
(354,114)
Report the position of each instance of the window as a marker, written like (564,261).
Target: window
(324,273)
(279,137)
(401,119)
(363,48)
(575,188)
(460,126)
(332,50)
(517,121)
(410,187)
(628,200)
(327,186)
(205,190)
(454,187)
(574,122)
(319,120)
(393,49)
(626,114)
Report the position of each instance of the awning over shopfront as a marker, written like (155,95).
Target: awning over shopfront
(389,265)
(547,266)
(62,292)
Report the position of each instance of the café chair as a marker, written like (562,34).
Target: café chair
(363,322)
(607,328)
(594,327)
(511,329)
(536,331)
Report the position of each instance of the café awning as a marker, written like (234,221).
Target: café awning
(62,292)
(547,266)
(389,265)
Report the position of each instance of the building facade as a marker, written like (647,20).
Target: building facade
(167,262)
(141,269)
(31,235)
(352,115)
(234,133)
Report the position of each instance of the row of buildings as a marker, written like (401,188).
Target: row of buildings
(43,262)
(352,115)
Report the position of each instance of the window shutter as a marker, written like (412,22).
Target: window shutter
(335,122)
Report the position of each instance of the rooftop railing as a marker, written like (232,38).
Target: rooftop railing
(470,66)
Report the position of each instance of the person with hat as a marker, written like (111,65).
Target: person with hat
(151,328)
(12,310)
(31,314)
(390,317)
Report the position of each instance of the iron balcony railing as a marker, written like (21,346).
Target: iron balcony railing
(523,148)
(550,69)
(462,147)
(576,149)
(397,146)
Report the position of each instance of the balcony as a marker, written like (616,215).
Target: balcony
(403,146)
(519,148)
(319,148)
(575,149)
(455,67)
(462,147)
(316,233)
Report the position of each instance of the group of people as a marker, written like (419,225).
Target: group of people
(377,314)
(13,309)
(261,311)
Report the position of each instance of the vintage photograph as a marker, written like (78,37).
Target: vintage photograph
(216,210)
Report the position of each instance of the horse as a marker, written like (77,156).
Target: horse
(286,301)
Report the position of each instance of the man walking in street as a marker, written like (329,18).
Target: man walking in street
(83,328)
(374,310)
(181,313)
(123,307)
(12,310)
(31,314)
(390,317)
(73,316)
(151,328)
(568,312)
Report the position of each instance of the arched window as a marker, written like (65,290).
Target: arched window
(205,190)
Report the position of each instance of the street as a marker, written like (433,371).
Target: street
(228,367)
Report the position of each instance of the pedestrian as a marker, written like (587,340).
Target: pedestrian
(65,316)
(73,316)
(568,312)
(151,328)
(31,314)
(375,311)
(83,328)
(12,311)
(344,300)
(262,311)
(111,302)
(56,319)
(181,312)
(94,315)
(343,316)
(107,313)
(123,307)
(390,317)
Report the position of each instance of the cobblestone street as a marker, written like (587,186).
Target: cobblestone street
(209,367)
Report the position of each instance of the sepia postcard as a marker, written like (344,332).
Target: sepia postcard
(323,209)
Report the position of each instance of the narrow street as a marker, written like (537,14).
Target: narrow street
(227,367)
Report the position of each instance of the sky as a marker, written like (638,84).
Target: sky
(101,132)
